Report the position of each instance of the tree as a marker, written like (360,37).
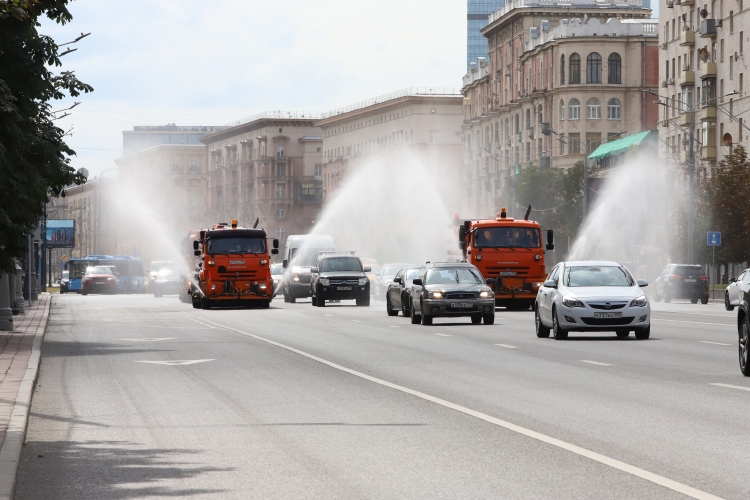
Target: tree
(34,159)
(728,199)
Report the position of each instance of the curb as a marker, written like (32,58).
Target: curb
(10,453)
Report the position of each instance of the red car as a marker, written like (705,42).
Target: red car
(98,279)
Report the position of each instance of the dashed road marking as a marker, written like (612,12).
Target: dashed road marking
(507,346)
(732,387)
(329,315)
(595,363)
(393,326)
(715,343)
(357,321)
(177,362)
(443,335)
(151,340)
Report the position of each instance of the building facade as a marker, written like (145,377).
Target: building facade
(701,75)
(477,13)
(561,78)
(269,168)
(144,137)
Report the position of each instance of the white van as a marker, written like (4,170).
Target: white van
(300,254)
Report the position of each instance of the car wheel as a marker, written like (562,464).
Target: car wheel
(426,320)
(643,333)
(476,319)
(541,331)
(622,333)
(743,347)
(727,305)
(557,331)
(84,293)
(415,318)
(405,309)
(489,319)
(364,302)
(292,299)
(314,301)
(286,297)
(389,309)
(667,298)
(694,300)
(704,300)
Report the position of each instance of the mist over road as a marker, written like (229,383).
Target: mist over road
(148,398)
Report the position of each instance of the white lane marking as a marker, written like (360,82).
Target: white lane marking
(182,327)
(592,455)
(691,322)
(732,387)
(177,363)
(715,343)
(507,346)
(393,326)
(595,363)
(328,315)
(151,340)
(443,335)
(356,321)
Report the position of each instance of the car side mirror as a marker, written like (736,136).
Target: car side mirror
(195,245)
(367,270)
(417,282)
(274,251)
(285,263)
(550,284)
(490,281)
(314,270)
(642,283)
(197,253)
(397,280)
(276,243)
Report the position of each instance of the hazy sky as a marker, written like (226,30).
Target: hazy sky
(194,62)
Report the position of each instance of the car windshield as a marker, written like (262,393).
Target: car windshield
(506,237)
(335,264)
(453,276)
(411,274)
(277,269)
(307,257)
(155,266)
(389,271)
(584,276)
(169,271)
(98,270)
(236,245)
(689,271)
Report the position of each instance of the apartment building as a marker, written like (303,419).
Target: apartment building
(562,77)
(268,167)
(414,121)
(701,74)
(147,136)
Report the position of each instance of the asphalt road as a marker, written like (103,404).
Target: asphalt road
(346,402)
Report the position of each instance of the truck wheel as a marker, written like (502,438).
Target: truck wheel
(196,304)
(476,319)
(694,300)
(426,320)
(292,299)
(265,304)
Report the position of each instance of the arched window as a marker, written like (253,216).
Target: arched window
(541,114)
(594,68)
(613,109)
(575,109)
(562,69)
(614,68)
(575,69)
(593,109)
(562,109)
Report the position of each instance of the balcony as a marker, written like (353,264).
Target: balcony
(708,153)
(309,191)
(708,113)
(687,78)
(708,28)
(687,38)
(709,70)
(687,2)
(683,120)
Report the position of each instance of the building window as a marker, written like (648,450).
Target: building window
(575,69)
(541,114)
(280,151)
(574,144)
(280,213)
(432,137)
(318,170)
(281,191)
(614,64)
(739,133)
(307,189)
(562,109)
(562,69)
(594,68)
(281,170)
(176,168)
(593,109)
(280,233)
(575,109)
(613,109)
(193,167)
(193,182)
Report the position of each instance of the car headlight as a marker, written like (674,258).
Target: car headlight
(536,285)
(639,301)
(571,302)
(486,294)
(324,281)
(435,295)
(296,278)
(275,282)
(363,281)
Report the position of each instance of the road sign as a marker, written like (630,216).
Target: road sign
(64,258)
(713,238)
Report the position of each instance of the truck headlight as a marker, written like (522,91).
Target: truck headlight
(435,295)
(363,281)
(536,285)
(639,301)
(571,302)
(211,263)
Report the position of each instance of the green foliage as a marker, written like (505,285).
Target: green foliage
(729,199)
(555,196)
(34,159)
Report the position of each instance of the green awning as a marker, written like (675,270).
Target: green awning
(618,147)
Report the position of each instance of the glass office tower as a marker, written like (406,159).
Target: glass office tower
(476,19)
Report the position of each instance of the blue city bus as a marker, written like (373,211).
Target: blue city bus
(76,268)
(129,271)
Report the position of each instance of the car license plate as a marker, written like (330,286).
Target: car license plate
(508,274)
(607,315)
(343,288)
(689,281)
(462,305)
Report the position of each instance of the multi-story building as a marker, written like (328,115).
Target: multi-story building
(144,137)
(561,78)
(477,13)
(701,72)
(424,121)
(269,167)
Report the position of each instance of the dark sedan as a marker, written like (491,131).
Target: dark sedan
(98,279)
(451,289)
(166,282)
(743,331)
(397,294)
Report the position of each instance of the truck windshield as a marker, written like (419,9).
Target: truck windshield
(236,245)
(506,237)
(336,264)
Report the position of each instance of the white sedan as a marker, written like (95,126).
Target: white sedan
(592,296)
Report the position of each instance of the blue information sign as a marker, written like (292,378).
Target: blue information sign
(713,238)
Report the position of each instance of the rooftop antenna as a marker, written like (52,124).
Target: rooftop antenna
(256,223)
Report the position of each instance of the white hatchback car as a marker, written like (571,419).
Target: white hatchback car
(592,296)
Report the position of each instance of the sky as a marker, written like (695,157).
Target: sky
(193,62)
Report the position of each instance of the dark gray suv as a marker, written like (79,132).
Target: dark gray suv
(339,276)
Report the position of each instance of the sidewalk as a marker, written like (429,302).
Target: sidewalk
(20,355)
